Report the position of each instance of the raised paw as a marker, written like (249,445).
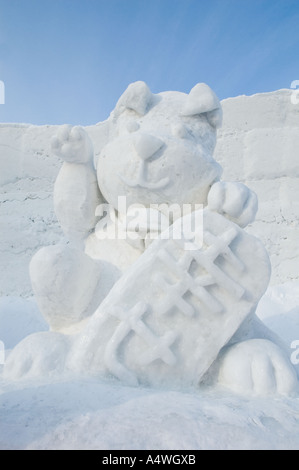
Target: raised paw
(72,144)
(233,200)
(259,367)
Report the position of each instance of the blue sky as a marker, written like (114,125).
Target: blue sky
(68,61)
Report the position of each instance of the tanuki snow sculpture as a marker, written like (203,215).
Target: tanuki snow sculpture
(147,291)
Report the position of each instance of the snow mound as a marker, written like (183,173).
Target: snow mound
(90,414)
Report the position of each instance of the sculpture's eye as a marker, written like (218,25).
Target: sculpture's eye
(180,130)
(132,126)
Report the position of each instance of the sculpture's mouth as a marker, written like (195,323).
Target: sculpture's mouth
(142,183)
(142,180)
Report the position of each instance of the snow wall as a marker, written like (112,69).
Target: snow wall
(258,144)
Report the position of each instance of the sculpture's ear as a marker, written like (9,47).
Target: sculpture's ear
(202,99)
(137,97)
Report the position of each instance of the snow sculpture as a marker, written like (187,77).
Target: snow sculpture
(146,292)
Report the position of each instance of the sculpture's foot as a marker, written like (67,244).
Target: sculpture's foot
(257,366)
(39,354)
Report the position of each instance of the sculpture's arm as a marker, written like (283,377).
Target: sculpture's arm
(233,200)
(76,192)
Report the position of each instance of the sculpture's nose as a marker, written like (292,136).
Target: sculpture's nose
(146,145)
